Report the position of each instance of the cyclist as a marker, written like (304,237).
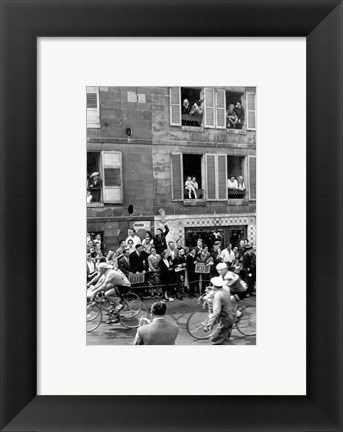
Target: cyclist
(233,284)
(111,282)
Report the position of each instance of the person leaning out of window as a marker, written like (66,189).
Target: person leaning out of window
(94,186)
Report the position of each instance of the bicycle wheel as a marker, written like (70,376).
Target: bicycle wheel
(132,305)
(130,319)
(196,323)
(246,324)
(94,317)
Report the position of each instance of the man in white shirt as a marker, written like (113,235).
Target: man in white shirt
(227,255)
(172,251)
(132,236)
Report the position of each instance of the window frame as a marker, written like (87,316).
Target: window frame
(92,124)
(249,159)
(103,152)
(247,110)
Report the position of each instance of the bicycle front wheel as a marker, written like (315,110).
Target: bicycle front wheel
(246,324)
(130,318)
(132,305)
(196,323)
(94,317)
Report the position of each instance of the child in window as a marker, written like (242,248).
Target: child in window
(189,186)
(89,197)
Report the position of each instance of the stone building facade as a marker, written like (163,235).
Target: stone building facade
(145,145)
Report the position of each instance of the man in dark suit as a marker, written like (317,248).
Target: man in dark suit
(138,264)
(124,262)
(159,331)
(193,277)
(138,260)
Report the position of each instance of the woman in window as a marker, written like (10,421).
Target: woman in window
(240,183)
(232,183)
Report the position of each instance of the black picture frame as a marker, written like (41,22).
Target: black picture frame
(320,21)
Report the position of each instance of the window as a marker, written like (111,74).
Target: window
(93,111)
(104,177)
(192,106)
(192,172)
(213,108)
(236,178)
(235,115)
(207,170)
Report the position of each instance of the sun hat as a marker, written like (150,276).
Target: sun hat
(221,266)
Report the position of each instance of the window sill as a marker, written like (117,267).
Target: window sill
(237,201)
(95,204)
(192,128)
(194,202)
(236,131)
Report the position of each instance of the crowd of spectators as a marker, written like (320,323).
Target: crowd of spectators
(170,267)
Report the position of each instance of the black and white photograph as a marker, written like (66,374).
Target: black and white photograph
(171,215)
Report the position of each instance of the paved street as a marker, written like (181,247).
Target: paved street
(178,312)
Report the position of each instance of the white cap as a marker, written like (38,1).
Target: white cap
(221,266)
(104,266)
(217,281)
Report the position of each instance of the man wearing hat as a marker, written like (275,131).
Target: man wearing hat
(249,268)
(223,313)
(94,186)
(109,281)
(232,282)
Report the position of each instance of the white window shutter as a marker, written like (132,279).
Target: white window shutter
(93,109)
(112,181)
(209,108)
(222,176)
(220,109)
(252,177)
(175,106)
(211,176)
(251,110)
(177,177)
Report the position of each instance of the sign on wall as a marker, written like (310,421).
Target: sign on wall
(141,228)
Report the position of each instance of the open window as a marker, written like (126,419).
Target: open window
(187,176)
(208,171)
(94,183)
(235,112)
(104,178)
(236,183)
(192,106)
(192,173)
(93,110)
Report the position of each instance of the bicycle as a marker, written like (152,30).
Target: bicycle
(245,324)
(128,316)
